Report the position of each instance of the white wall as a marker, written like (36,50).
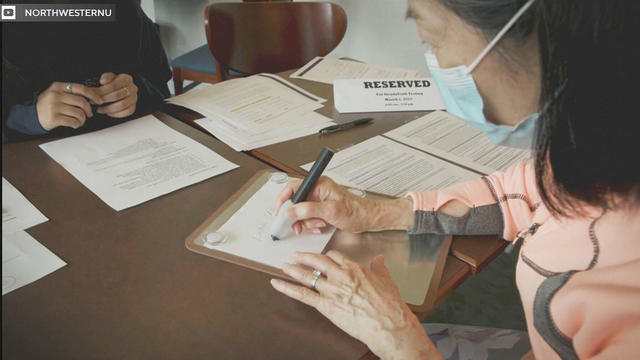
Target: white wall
(149,9)
(377,31)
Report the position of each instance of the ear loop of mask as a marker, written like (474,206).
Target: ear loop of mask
(499,36)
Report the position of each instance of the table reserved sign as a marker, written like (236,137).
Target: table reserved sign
(377,95)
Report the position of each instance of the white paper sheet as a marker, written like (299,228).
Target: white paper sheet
(326,70)
(378,95)
(446,136)
(25,260)
(243,140)
(256,103)
(247,232)
(136,161)
(385,166)
(255,111)
(17,212)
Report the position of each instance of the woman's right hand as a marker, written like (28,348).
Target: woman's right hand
(57,107)
(331,204)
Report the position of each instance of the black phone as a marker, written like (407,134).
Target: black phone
(94,82)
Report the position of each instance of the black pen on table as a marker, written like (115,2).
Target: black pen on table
(347,125)
(282,224)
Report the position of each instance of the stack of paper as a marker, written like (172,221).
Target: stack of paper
(24,260)
(444,135)
(387,167)
(429,153)
(255,111)
(327,70)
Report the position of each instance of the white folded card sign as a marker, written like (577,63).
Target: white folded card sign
(375,95)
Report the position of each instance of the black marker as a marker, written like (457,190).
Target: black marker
(282,224)
(345,126)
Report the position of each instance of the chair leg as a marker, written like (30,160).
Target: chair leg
(222,71)
(177,81)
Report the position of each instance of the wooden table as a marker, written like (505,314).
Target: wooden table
(131,290)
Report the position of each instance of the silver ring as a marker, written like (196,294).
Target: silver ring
(315,276)
(69,88)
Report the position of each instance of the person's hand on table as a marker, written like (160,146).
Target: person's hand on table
(120,92)
(65,104)
(362,301)
(331,204)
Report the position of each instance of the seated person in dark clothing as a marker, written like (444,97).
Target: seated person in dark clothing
(60,76)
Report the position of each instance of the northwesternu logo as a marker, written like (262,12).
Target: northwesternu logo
(8,12)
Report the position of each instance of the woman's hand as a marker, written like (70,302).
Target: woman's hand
(121,92)
(331,204)
(56,106)
(364,302)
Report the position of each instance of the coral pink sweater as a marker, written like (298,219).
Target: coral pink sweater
(597,309)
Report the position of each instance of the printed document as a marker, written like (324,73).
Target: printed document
(25,260)
(255,103)
(243,140)
(247,232)
(384,166)
(444,135)
(136,161)
(17,212)
(326,70)
(255,111)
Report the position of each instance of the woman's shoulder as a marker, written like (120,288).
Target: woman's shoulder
(598,309)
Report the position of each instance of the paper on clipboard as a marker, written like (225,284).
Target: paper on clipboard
(247,235)
(415,266)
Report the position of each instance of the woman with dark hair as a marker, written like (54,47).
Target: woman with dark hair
(556,75)
(60,76)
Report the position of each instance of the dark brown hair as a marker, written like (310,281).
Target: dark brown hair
(585,148)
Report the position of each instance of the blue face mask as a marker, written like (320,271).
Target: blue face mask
(462,98)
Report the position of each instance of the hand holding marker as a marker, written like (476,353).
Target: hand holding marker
(282,224)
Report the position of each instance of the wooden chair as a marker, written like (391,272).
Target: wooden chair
(257,37)
(199,65)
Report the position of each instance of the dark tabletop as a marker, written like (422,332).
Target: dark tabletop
(131,290)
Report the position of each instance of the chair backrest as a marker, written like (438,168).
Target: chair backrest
(254,37)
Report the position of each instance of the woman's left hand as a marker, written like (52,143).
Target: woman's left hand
(121,92)
(364,302)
